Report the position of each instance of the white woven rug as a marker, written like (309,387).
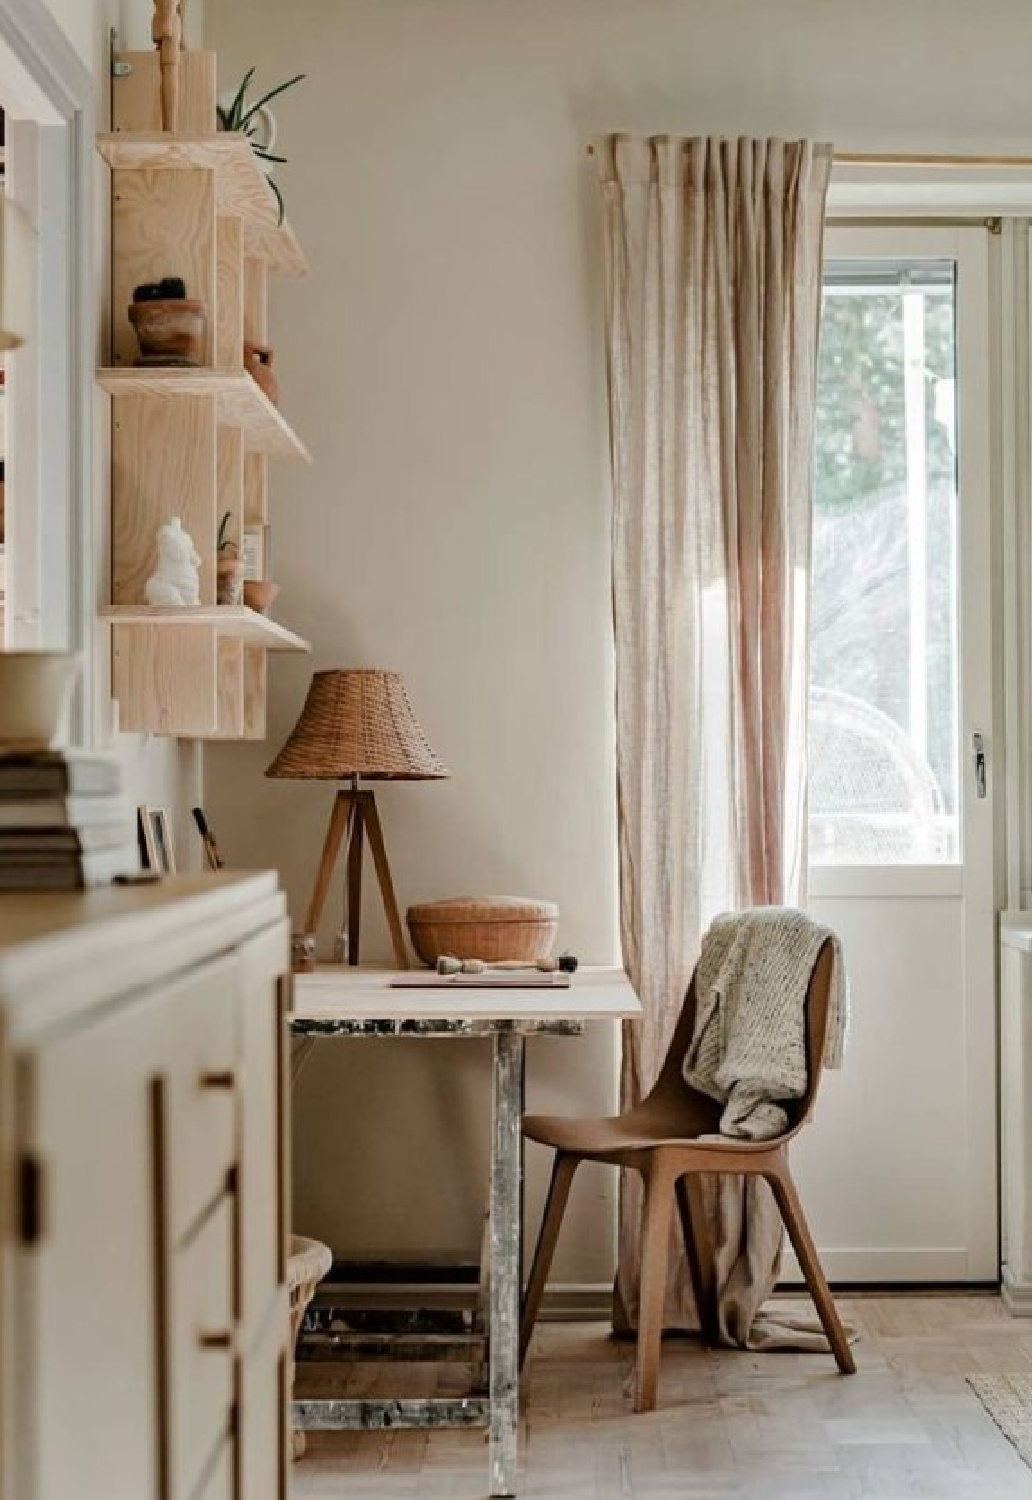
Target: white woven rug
(1008,1400)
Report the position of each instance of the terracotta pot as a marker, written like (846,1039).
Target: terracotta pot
(258,363)
(260,594)
(170,331)
(229,579)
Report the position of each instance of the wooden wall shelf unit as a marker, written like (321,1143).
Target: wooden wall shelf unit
(190,442)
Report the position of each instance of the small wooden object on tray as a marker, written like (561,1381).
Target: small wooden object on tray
(490,979)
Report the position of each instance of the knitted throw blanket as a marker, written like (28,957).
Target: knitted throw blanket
(749,1045)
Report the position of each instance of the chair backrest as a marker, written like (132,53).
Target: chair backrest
(670,1086)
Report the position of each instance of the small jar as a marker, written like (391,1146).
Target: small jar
(302,952)
(229,579)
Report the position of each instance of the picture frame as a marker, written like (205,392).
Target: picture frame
(145,840)
(253,552)
(212,857)
(154,835)
(162,833)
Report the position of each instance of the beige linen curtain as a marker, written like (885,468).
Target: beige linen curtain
(713,279)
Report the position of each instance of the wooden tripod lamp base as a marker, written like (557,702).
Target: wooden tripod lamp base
(353,820)
(356,724)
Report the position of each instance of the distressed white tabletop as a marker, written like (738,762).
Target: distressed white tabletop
(349,1002)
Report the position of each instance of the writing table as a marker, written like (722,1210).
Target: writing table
(335,1001)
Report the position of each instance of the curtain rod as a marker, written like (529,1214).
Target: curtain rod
(911,159)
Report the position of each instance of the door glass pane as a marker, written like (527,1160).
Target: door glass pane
(884,690)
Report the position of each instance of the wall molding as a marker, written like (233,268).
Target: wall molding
(922,192)
(55,82)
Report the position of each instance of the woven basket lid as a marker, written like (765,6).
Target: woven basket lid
(357,723)
(484,909)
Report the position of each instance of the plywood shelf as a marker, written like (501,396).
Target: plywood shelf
(242,188)
(235,622)
(240,402)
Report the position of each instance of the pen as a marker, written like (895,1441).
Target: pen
(211,850)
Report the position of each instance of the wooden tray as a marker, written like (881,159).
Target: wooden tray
(503,979)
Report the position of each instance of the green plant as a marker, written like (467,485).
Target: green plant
(225,543)
(242,116)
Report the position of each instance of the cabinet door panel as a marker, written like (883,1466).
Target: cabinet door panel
(218,1484)
(201,1067)
(201,1335)
(262,1409)
(262,1220)
(87,1292)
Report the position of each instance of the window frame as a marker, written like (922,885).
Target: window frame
(966,242)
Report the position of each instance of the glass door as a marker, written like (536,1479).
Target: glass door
(884,732)
(900,731)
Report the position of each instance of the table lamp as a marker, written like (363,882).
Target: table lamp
(357,725)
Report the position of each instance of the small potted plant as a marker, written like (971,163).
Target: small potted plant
(257,122)
(229,567)
(260,594)
(171,327)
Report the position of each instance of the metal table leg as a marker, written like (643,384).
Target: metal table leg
(505,1255)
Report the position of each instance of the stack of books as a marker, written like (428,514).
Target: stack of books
(63,821)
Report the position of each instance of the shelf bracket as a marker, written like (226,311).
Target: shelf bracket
(119,67)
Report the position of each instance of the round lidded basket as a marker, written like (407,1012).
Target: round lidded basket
(492,928)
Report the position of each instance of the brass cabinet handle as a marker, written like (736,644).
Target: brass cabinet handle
(223,1080)
(221,1339)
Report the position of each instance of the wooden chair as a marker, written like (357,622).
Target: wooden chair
(658,1138)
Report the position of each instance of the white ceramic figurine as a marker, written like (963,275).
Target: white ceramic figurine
(176,579)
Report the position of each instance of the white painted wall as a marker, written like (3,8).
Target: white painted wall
(445,363)
(85,23)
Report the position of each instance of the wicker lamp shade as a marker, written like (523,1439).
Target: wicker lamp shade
(357,723)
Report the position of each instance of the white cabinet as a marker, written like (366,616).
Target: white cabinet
(142,1219)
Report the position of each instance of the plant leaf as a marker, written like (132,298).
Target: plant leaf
(279,199)
(236,108)
(266,155)
(279,89)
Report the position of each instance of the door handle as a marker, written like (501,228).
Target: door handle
(978,754)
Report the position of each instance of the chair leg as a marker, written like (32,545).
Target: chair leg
(655,1239)
(563,1169)
(701,1261)
(802,1243)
